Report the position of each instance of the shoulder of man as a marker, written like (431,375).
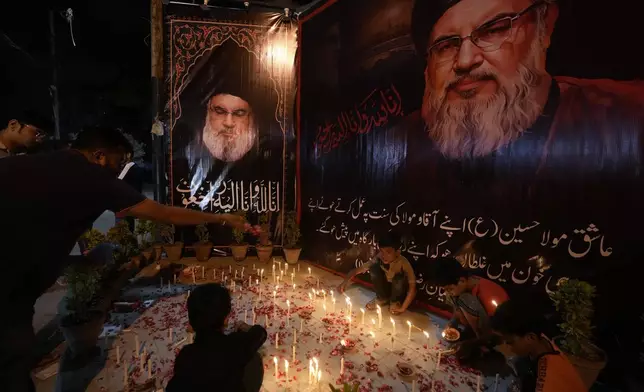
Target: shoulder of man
(556,374)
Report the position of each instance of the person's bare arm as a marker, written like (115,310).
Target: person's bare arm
(356,271)
(151,210)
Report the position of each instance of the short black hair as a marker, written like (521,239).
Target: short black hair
(208,307)
(98,137)
(519,318)
(389,240)
(446,271)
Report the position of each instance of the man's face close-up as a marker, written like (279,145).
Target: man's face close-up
(229,131)
(485,63)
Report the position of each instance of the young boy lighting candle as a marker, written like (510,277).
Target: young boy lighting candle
(542,367)
(216,360)
(391,274)
(474,301)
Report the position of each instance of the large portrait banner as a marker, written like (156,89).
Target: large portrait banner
(231,90)
(482,130)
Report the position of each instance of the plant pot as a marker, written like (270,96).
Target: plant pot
(173,251)
(157,250)
(239,252)
(202,250)
(82,337)
(292,255)
(147,255)
(264,253)
(588,369)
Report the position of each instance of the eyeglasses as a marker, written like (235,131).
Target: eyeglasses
(488,37)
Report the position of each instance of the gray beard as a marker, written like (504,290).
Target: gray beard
(225,149)
(479,127)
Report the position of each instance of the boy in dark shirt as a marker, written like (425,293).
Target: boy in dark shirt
(216,361)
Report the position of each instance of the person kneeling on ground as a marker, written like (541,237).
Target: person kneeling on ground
(216,361)
(545,368)
(474,301)
(391,274)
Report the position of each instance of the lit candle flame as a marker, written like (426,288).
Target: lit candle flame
(331,292)
(426,334)
(409,323)
(443,334)
(373,321)
(392,320)
(494,303)
(343,343)
(362,310)
(275,360)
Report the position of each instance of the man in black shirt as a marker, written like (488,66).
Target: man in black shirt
(216,361)
(47,202)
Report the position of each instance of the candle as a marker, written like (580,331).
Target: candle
(242,272)
(246,316)
(320,338)
(294,289)
(273,269)
(214,275)
(310,370)
(426,336)
(136,346)
(298,268)
(393,325)
(409,334)
(317,365)
(275,362)
(266,320)
(277,340)
(494,303)
(285,267)
(261,274)
(293,353)
(230,269)
(341,367)
(125,375)
(496,382)
(319,379)
(233,283)
(278,280)
(311,299)
(392,343)
(362,311)
(286,369)
(294,336)
(149,369)
(254,316)
(254,267)
(379,316)
(333,300)
(288,312)
(118,354)
(478,383)
(301,325)
(203,273)
(318,283)
(309,271)
(274,296)
(292,278)
(222,275)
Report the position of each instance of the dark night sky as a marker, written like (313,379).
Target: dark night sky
(104,79)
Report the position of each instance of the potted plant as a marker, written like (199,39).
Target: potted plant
(346,387)
(144,231)
(82,322)
(239,248)
(292,233)
(172,249)
(203,247)
(264,246)
(126,245)
(573,300)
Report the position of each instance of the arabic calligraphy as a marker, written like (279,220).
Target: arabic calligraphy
(579,243)
(257,196)
(373,112)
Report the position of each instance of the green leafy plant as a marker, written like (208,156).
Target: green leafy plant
(145,230)
(167,233)
(574,301)
(238,234)
(292,231)
(265,224)
(202,233)
(346,387)
(91,239)
(126,244)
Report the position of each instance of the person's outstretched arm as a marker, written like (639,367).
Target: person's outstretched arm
(151,210)
(356,271)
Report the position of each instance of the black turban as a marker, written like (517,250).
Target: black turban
(424,16)
(227,69)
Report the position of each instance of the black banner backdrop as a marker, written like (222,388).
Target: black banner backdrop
(487,143)
(232,90)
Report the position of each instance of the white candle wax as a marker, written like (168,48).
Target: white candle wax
(125,375)
(275,362)
(393,325)
(230,268)
(286,369)
(298,268)
(379,316)
(362,311)
(320,342)
(246,316)
(277,340)
(333,309)
(341,367)
(324,307)
(294,354)
(318,283)
(301,325)
(266,321)
(478,383)
(310,370)
(309,271)
(242,273)
(409,334)
(254,316)
(203,273)
(294,336)
(149,369)
(496,382)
